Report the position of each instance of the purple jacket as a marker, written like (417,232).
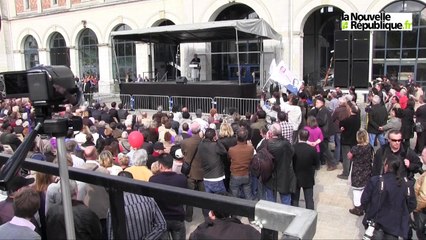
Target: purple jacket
(314,134)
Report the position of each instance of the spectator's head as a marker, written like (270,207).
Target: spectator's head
(312,122)
(16,183)
(362,137)
(376,100)
(106,159)
(395,139)
(185,127)
(242,135)
(220,214)
(261,114)
(140,157)
(159,147)
(26,203)
(303,135)
(210,134)
(195,128)
(90,153)
(198,113)
(275,130)
(319,102)
(160,109)
(225,130)
(70,146)
(186,115)
(113,104)
(166,161)
(282,116)
(393,164)
(120,106)
(125,174)
(168,137)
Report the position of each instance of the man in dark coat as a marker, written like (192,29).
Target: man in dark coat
(220,225)
(328,129)
(304,164)
(86,222)
(377,116)
(283,179)
(210,151)
(195,177)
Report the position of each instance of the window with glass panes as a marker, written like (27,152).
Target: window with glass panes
(30,52)
(88,52)
(399,54)
(124,57)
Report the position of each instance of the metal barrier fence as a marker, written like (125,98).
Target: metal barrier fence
(222,104)
(241,105)
(294,222)
(150,102)
(193,103)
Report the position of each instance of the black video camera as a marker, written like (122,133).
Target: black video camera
(43,85)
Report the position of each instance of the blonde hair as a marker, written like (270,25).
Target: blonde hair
(225,130)
(106,159)
(362,137)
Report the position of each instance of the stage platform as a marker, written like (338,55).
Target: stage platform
(193,89)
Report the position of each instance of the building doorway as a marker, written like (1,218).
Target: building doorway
(318,43)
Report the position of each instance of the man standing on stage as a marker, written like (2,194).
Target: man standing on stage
(195,73)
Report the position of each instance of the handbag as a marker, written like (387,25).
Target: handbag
(418,127)
(186,167)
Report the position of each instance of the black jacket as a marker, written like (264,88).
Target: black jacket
(391,210)
(407,123)
(380,156)
(211,162)
(351,126)
(378,116)
(304,163)
(325,122)
(86,222)
(283,178)
(228,228)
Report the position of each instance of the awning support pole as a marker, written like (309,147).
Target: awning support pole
(238,57)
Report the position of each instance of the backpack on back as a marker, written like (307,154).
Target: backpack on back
(262,164)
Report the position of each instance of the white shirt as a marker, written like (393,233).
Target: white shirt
(76,161)
(294,114)
(22,222)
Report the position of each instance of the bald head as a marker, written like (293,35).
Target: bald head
(90,153)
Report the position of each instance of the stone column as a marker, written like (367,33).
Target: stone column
(106,81)
(142,60)
(43,56)
(74,63)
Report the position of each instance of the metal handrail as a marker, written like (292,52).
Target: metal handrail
(296,223)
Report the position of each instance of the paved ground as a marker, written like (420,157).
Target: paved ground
(333,199)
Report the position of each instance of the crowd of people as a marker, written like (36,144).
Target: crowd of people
(216,152)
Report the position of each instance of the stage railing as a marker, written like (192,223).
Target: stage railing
(150,102)
(193,103)
(228,105)
(294,222)
(224,105)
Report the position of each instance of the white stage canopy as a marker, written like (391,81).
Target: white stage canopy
(202,32)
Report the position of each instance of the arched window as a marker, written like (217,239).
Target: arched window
(59,53)
(30,52)
(125,57)
(88,52)
(399,54)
